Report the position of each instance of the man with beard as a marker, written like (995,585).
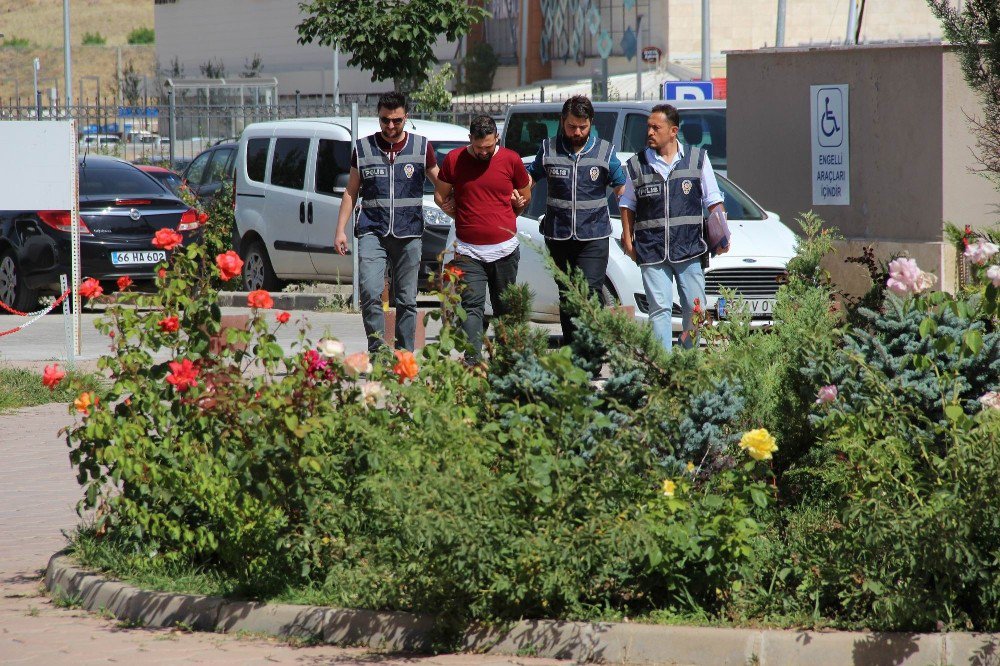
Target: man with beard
(388,169)
(490,187)
(577,226)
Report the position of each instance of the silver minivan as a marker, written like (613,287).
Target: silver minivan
(290,176)
(703,124)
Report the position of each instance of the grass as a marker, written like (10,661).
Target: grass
(23,388)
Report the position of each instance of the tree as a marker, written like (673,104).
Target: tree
(251,67)
(213,70)
(433,96)
(394,39)
(976,31)
(128,84)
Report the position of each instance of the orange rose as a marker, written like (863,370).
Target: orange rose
(229,265)
(84,402)
(406,365)
(124,283)
(167,239)
(260,299)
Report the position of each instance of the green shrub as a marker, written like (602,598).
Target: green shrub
(94,39)
(489,496)
(142,36)
(17,42)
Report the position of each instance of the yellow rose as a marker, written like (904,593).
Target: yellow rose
(669,487)
(759,444)
(690,467)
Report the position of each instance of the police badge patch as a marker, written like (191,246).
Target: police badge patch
(408,170)
(594,173)
(686,187)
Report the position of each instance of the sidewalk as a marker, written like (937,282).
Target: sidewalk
(38,493)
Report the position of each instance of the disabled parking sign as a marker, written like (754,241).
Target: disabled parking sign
(831,155)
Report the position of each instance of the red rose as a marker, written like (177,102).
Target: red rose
(183,375)
(283,317)
(167,239)
(229,265)
(91,288)
(406,365)
(52,375)
(124,283)
(453,273)
(162,273)
(169,324)
(260,299)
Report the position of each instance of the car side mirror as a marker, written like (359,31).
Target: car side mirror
(340,183)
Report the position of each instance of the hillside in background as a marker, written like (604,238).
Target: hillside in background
(41,23)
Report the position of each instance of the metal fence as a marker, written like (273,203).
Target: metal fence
(172,133)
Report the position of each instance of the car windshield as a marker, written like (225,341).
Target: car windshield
(116,182)
(738,205)
(524,131)
(441,149)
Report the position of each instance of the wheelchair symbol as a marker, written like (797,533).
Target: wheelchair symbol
(829,115)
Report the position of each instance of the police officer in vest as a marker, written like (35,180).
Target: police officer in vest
(388,169)
(579,167)
(669,186)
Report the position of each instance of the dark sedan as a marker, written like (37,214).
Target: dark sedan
(121,208)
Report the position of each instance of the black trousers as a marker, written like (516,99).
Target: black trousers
(482,277)
(590,257)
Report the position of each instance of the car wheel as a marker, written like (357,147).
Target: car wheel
(13,291)
(257,270)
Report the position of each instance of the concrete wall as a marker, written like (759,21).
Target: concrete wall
(751,24)
(910,143)
(196,31)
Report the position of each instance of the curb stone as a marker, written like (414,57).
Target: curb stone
(580,641)
(282,300)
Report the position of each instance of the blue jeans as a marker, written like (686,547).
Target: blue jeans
(403,256)
(658,282)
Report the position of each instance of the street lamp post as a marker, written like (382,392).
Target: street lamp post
(67,59)
(706,42)
(35,66)
(638,54)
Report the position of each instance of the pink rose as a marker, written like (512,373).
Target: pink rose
(358,363)
(980,252)
(993,273)
(905,277)
(826,395)
(990,400)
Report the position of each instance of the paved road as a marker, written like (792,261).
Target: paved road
(38,493)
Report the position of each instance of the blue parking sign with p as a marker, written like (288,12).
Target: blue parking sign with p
(688,90)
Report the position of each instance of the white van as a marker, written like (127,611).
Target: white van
(290,176)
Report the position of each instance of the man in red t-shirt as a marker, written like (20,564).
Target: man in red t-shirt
(489,187)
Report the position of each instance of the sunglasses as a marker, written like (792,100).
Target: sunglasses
(394,121)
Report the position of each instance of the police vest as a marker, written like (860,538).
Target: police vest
(668,213)
(392,194)
(577,205)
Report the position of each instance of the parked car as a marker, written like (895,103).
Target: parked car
(121,208)
(164,176)
(99,140)
(209,170)
(754,268)
(290,176)
(703,124)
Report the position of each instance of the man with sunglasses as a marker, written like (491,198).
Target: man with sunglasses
(388,170)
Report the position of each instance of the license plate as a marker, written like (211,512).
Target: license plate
(134,257)
(758,307)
